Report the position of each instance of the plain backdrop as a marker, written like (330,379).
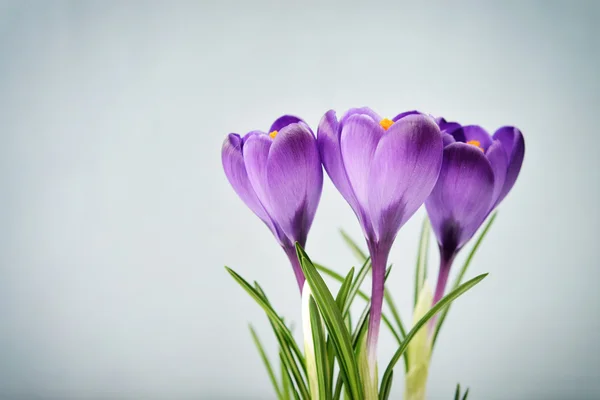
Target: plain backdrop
(116,218)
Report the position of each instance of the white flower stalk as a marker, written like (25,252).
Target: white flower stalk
(419,349)
(309,344)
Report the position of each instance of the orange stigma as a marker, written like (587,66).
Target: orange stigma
(475,143)
(274,133)
(386,123)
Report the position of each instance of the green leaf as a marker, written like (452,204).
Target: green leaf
(457,392)
(286,372)
(466,394)
(388,298)
(342,295)
(421,269)
(358,253)
(358,335)
(318,336)
(360,277)
(385,395)
(283,334)
(265,360)
(341,299)
(440,305)
(392,306)
(334,322)
(286,384)
(461,275)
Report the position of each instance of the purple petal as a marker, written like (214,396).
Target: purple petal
(359,111)
(235,170)
(446,126)
(514,145)
(447,139)
(404,114)
(328,140)
(475,132)
(403,173)
(462,196)
(284,121)
(295,180)
(256,151)
(499,162)
(359,139)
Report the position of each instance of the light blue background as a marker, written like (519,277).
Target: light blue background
(116,218)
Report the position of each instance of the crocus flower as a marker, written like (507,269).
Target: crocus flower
(385,169)
(279,177)
(477,173)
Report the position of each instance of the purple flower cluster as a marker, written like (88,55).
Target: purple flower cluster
(385,169)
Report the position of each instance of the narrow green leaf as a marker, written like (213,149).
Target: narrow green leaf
(320,349)
(389,301)
(266,361)
(358,252)
(457,392)
(421,268)
(288,378)
(385,395)
(461,275)
(440,305)
(392,306)
(283,334)
(334,322)
(342,295)
(466,394)
(360,277)
(341,299)
(259,298)
(286,384)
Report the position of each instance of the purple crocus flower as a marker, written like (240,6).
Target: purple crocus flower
(385,169)
(477,173)
(279,176)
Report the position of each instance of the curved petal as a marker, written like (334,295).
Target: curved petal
(446,125)
(404,114)
(284,121)
(256,151)
(235,170)
(461,197)
(447,139)
(499,162)
(328,141)
(359,111)
(475,132)
(514,145)
(358,140)
(295,180)
(404,171)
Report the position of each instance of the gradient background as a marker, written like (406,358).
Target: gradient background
(116,218)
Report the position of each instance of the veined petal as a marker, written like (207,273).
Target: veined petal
(359,138)
(405,168)
(499,162)
(235,170)
(461,197)
(359,111)
(328,141)
(475,132)
(284,121)
(295,180)
(404,114)
(514,145)
(256,151)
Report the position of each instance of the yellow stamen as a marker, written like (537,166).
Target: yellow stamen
(475,143)
(386,123)
(274,133)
